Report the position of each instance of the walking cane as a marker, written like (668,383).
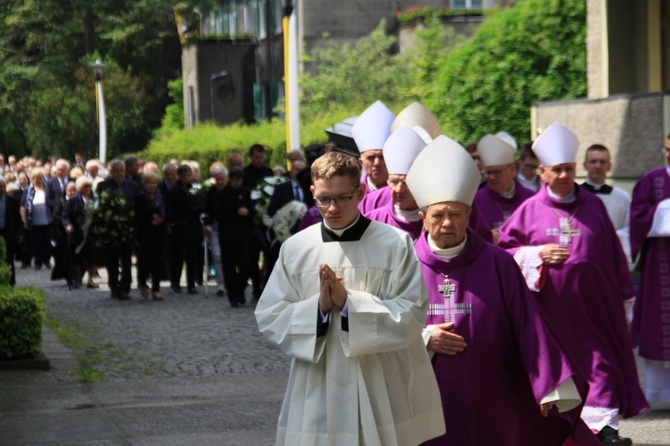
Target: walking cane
(203,217)
(68,254)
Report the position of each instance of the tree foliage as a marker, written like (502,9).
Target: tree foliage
(353,74)
(45,46)
(533,52)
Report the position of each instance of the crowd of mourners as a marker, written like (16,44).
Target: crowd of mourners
(74,217)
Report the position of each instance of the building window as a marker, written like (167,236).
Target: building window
(467,4)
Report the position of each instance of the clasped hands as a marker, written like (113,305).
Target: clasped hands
(553,254)
(332,293)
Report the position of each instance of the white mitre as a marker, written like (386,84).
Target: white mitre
(494,151)
(422,120)
(373,127)
(556,145)
(443,171)
(509,139)
(401,149)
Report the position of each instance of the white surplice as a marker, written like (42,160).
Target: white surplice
(372,384)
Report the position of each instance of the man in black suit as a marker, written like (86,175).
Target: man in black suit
(120,289)
(185,230)
(253,174)
(285,193)
(57,183)
(10,225)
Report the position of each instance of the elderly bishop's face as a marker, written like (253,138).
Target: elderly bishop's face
(446,223)
(560,178)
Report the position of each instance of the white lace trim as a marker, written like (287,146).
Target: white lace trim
(598,417)
(529,261)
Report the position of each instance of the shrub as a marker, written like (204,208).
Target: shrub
(207,143)
(21,319)
(533,52)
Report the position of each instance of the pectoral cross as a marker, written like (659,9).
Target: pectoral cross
(447,288)
(449,309)
(565,232)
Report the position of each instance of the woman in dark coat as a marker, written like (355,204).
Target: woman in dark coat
(77,217)
(151,235)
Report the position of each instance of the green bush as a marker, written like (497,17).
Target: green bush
(532,52)
(21,318)
(207,143)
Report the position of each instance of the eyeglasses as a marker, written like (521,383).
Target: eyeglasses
(326,202)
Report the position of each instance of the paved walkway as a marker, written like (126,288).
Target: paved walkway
(190,370)
(187,370)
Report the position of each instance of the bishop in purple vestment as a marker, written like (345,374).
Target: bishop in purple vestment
(401,211)
(503,377)
(374,199)
(650,330)
(502,193)
(571,257)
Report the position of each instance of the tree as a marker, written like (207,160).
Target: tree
(533,52)
(353,74)
(44,42)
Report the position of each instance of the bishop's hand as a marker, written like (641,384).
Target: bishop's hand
(553,254)
(444,341)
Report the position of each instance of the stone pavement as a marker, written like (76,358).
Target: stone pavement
(186,371)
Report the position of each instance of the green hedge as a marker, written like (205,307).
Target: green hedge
(21,318)
(207,143)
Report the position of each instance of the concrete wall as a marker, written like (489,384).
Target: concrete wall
(632,127)
(462,26)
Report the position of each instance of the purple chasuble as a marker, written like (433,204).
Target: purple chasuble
(374,199)
(387,215)
(496,209)
(312,216)
(583,297)
(651,321)
(492,390)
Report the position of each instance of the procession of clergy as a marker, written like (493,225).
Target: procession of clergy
(445,303)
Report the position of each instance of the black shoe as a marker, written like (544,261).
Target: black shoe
(24,266)
(234,304)
(47,265)
(76,286)
(114,294)
(92,285)
(38,267)
(610,437)
(193,290)
(124,296)
(220,293)
(176,289)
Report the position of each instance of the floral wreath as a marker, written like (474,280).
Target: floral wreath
(113,220)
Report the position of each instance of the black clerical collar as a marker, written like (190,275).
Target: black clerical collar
(604,189)
(353,234)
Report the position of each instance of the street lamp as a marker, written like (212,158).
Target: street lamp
(290,28)
(99,70)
